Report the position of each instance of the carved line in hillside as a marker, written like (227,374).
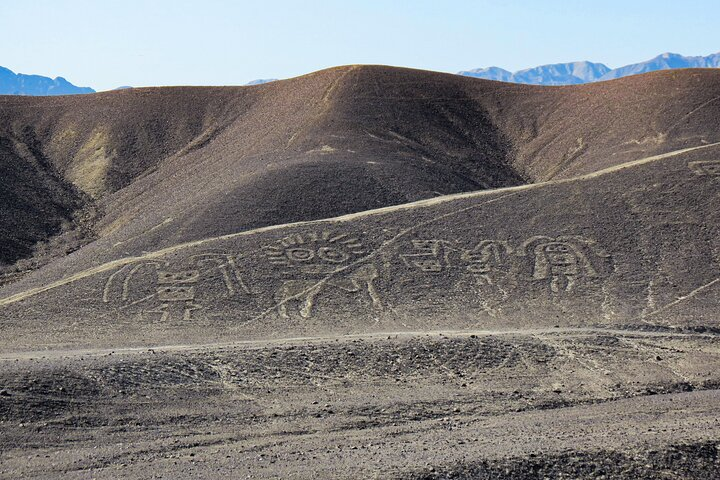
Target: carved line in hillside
(689,114)
(710,168)
(680,299)
(422,203)
(324,104)
(531,332)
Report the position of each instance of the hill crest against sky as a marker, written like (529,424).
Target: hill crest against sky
(571,73)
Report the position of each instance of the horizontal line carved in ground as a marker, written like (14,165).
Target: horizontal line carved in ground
(393,335)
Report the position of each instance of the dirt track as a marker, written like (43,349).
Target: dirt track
(95,352)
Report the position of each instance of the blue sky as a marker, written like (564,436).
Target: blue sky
(108,43)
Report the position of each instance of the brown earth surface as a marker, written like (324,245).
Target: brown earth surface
(216,292)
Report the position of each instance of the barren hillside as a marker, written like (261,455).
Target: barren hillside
(148,168)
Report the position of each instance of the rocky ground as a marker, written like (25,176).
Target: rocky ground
(538,404)
(699,460)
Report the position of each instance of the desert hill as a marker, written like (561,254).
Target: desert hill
(148,168)
(634,245)
(363,272)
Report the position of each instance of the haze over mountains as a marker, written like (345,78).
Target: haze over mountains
(574,73)
(395,273)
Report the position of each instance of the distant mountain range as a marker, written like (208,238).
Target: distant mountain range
(585,72)
(571,73)
(260,81)
(21,84)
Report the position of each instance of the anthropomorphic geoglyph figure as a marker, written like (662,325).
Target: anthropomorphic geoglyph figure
(323,260)
(429,256)
(437,256)
(162,288)
(306,291)
(485,259)
(562,260)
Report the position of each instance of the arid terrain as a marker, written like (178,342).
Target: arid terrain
(365,272)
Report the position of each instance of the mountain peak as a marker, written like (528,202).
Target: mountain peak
(36,85)
(573,73)
(260,81)
(554,74)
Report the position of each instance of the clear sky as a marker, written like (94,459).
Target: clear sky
(107,43)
